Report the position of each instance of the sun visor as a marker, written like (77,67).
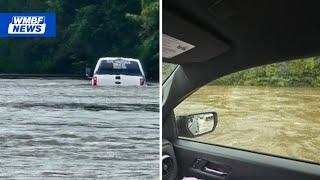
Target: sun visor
(184,42)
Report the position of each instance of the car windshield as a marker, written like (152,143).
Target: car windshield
(118,67)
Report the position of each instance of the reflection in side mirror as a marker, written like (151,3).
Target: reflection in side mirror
(196,124)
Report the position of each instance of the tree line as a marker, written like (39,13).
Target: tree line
(293,73)
(86,30)
(301,72)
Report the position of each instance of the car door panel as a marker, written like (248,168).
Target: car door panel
(234,164)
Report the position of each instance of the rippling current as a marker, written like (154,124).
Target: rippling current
(66,129)
(281,121)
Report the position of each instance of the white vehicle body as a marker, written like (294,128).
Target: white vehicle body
(118,71)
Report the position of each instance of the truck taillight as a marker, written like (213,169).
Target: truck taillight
(94,81)
(141,82)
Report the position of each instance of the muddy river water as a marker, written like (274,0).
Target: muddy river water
(280,121)
(53,129)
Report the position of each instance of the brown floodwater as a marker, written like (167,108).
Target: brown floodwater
(67,129)
(279,121)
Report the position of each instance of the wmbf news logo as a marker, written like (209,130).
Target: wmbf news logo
(27,25)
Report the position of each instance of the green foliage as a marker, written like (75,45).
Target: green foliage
(302,72)
(86,30)
(149,23)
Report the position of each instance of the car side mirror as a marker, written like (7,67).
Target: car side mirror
(195,125)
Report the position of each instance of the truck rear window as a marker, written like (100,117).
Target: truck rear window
(118,67)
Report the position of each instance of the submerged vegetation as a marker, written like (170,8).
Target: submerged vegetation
(86,30)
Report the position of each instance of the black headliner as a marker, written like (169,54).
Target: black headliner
(256,32)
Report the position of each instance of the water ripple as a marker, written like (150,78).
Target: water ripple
(67,129)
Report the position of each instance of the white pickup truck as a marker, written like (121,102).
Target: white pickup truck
(118,71)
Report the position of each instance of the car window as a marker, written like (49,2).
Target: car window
(119,67)
(271,109)
(167,70)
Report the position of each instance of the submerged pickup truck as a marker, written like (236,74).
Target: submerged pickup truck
(118,71)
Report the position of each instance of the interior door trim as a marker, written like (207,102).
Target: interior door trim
(225,154)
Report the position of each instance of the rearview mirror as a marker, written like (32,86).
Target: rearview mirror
(195,125)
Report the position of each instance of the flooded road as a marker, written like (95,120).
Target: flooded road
(68,129)
(280,121)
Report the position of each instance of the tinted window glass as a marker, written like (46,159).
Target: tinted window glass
(119,66)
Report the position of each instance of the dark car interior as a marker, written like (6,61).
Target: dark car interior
(229,36)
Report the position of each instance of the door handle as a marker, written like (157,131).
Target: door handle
(216,172)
